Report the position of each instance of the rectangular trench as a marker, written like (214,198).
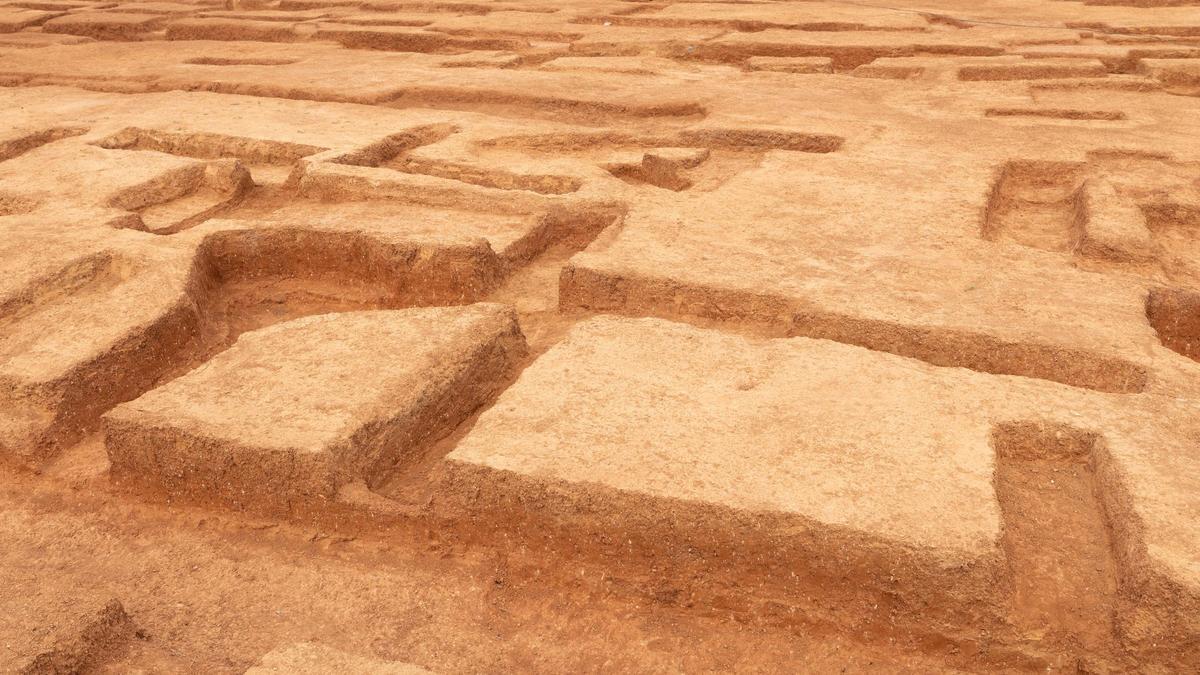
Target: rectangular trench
(1056,537)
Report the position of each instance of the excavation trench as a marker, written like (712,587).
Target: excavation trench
(1051,604)
(394,152)
(1037,204)
(599,290)
(1175,315)
(242,280)
(1056,537)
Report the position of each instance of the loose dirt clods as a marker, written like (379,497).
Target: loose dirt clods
(548,336)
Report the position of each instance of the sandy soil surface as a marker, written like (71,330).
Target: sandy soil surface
(469,336)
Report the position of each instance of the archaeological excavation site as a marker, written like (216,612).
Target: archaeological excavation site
(599,336)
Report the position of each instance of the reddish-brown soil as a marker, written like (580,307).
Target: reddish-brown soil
(599,336)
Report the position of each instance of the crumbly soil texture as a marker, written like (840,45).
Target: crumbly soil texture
(552,336)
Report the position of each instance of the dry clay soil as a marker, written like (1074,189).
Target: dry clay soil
(456,336)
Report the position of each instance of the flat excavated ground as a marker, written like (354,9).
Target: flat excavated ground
(599,336)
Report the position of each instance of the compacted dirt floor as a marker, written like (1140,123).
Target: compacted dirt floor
(507,336)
